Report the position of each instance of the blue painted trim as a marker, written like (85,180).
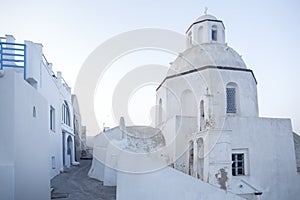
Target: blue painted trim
(20,48)
(11,43)
(12,60)
(13,66)
(12,49)
(25,72)
(10,54)
(1,67)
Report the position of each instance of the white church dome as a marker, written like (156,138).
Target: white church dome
(206,47)
(206,17)
(206,55)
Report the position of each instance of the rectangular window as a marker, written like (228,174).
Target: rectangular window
(214,35)
(66,114)
(53,162)
(52,118)
(231,102)
(238,164)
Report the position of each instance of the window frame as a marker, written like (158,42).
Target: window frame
(66,115)
(53,162)
(231,103)
(237,160)
(214,33)
(52,119)
(245,161)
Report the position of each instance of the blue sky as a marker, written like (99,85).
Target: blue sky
(265,33)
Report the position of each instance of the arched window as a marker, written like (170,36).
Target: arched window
(66,114)
(200,34)
(231,98)
(214,33)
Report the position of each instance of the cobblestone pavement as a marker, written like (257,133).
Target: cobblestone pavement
(74,184)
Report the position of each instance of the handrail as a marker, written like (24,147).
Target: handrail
(8,56)
(50,72)
(64,82)
(44,57)
(46,63)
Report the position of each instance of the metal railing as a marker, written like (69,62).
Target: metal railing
(13,55)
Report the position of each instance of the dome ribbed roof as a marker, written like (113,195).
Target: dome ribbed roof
(208,54)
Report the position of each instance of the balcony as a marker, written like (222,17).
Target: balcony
(13,55)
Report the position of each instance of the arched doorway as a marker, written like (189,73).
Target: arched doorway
(69,150)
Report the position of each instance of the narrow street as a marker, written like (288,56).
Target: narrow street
(74,184)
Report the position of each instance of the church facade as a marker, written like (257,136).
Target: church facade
(215,144)
(208,109)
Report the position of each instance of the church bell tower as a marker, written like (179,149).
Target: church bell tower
(206,29)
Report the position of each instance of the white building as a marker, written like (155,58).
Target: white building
(208,115)
(79,131)
(210,100)
(37,136)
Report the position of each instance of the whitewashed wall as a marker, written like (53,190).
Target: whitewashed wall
(24,141)
(271,162)
(52,87)
(165,184)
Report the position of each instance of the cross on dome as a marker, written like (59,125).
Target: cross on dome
(205,11)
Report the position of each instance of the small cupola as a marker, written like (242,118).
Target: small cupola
(206,29)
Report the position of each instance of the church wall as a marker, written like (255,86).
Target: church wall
(165,184)
(270,168)
(168,128)
(203,84)
(176,88)
(210,85)
(247,91)
(265,145)
(185,127)
(271,156)
(218,155)
(161,95)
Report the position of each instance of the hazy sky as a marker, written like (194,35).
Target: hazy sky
(266,33)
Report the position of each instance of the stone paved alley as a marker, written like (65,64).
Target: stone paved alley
(74,184)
